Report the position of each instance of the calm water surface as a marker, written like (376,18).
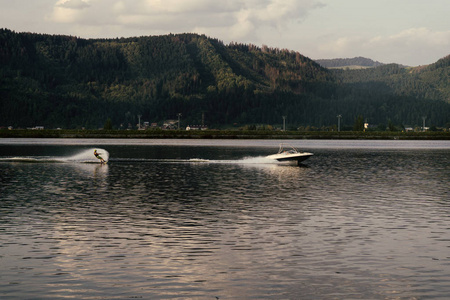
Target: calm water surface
(213,219)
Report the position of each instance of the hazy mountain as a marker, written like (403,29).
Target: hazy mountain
(351,63)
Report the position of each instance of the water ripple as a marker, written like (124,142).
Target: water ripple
(354,224)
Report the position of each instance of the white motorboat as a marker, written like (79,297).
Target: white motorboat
(288,153)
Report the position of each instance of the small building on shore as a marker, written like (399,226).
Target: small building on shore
(196,127)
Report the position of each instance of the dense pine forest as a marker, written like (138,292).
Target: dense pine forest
(69,82)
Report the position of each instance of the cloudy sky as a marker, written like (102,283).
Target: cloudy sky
(409,32)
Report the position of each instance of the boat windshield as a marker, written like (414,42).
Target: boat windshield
(287,149)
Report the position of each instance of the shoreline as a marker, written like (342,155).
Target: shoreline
(222,134)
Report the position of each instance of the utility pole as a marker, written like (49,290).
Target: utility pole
(423,127)
(339,122)
(139,117)
(179,116)
(284,123)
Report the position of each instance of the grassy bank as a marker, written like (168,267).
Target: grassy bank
(221,134)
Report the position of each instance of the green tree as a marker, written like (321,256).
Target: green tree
(359,124)
(108,124)
(381,127)
(391,126)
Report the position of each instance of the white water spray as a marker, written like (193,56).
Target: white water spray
(87,156)
(259,160)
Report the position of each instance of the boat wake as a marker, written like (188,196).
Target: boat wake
(244,161)
(28,159)
(86,156)
(255,161)
(247,161)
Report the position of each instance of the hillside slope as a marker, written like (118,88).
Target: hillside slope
(427,82)
(68,82)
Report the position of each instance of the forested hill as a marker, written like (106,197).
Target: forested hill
(356,62)
(69,82)
(424,82)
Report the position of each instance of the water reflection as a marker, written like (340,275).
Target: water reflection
(354,224)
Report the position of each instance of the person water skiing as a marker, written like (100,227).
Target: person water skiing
(98,156)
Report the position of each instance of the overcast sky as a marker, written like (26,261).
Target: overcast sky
(409,32)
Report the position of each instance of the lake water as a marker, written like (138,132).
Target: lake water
(213,219)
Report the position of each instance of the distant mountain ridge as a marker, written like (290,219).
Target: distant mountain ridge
(348,62)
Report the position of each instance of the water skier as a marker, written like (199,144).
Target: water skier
(99,157)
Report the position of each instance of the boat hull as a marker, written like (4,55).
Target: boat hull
(298,157)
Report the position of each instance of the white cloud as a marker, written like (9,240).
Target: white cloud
(243,25)
(73,4)
(415,36)
(282,10)
(186,7)
(254,17)
(234,19)
(410,47)
(68,11)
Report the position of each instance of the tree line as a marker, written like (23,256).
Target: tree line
(69,82)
